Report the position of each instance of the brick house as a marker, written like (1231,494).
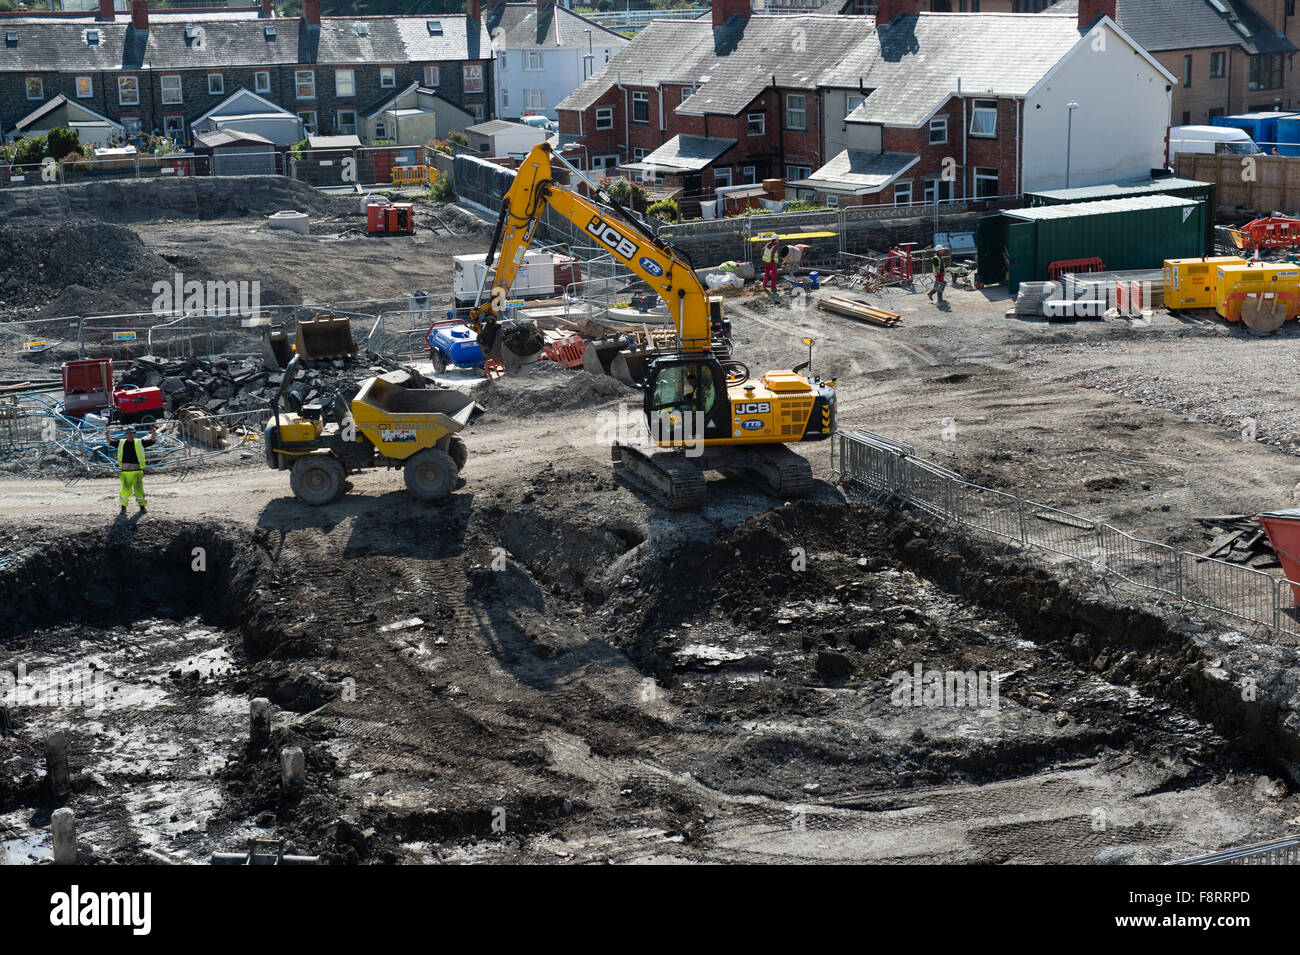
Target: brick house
(158,71)
(905,107)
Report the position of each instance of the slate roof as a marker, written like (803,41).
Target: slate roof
(517,25)
(494,126)
(858,171)
(1160,25)
(912,64)
(224,137)
(60,45)
(684,152)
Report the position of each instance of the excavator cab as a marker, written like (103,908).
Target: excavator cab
(685,400)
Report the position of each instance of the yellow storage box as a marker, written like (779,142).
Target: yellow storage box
(1231,281)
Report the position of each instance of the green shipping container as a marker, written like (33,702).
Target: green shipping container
(1135,233)
(1164,186)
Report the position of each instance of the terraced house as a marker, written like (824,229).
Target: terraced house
(901,107)
(164,71)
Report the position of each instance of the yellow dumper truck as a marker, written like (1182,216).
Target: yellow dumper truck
(386,425)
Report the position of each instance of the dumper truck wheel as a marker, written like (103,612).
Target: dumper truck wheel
(459,453)
(430,474)
(317,479)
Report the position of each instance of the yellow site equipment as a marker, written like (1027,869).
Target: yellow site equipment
(1189,283)
(1233,281)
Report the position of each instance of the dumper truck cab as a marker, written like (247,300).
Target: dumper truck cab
(387,424)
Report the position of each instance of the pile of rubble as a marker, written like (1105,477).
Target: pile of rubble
(225,385)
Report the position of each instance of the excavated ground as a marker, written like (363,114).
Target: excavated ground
(518,681)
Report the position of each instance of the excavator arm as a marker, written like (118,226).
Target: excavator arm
(633,246)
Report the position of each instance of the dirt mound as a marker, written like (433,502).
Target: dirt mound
(148,200)
(545,386)
(42,261)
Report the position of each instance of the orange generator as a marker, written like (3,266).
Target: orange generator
(393,218)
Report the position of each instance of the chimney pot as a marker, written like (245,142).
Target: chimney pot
(106,11)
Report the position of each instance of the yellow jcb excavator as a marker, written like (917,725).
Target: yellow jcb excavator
(697,401)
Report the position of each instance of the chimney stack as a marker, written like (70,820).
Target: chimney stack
(1090,10)
(724,10)
(268,8)
(889,10)
(474,10)
(544,5)
(106,11)
(140,14)
(311,12)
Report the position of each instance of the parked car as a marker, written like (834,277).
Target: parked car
(1211,139)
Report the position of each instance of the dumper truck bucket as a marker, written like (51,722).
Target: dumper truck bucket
(325,338)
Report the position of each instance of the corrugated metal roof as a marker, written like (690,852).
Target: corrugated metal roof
(1099,208)
(1115,189)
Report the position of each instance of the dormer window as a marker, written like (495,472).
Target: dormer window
(193,33)
(435,27)
(11,38)
(92,38)
(363,29)
(270,33)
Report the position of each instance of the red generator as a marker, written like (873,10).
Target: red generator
(138,404)
(87,386)
(394,218)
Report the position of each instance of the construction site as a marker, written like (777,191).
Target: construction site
(973,580)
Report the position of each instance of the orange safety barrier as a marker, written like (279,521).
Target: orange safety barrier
(1273,232)
(566,352)
(1062,266)
(1232,304)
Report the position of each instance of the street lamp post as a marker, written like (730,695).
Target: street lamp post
(1070,107)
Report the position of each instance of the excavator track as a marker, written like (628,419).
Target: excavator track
(678,482)
(775,469)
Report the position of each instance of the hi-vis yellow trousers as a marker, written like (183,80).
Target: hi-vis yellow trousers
(132,482)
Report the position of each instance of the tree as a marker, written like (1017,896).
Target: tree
(665,209)
(61,141)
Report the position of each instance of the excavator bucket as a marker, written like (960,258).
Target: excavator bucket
(599,355)
(513,345)
(325,338)
(275,347)
(631,366)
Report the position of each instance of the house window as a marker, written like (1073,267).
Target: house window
(1265,72)
(604,117)
(430,76)
(984,118)
(85,87)
(501,57)
(604,162)
(1187,70)
(216,84)
(477,110)
(1217,65)
(795,111)
(308,117)
(798,172)
(986,183)
(473,79)
(304,82)
(174,127)
(638,154)
(640,107)
(505,97)
(852,102)
(755,124)
(937,190)
(35,88)
(903,193)
(534,99)
(131,126)
(1214,114)
(686,93)
(938,130)
(262,81)
(388,77)
(722,177)
(128,90)
(832,200)
(532,59)
(346,121)
(381,129)
(345,82)
(749,175)
(171,90)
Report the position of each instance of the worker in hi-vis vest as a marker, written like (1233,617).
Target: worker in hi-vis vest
(130,465)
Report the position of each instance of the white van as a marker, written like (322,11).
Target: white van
(1211,139)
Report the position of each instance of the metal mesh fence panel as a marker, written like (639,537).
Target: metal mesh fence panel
(1237,591)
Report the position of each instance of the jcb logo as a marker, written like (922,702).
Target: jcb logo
(754,407)
(606,233)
